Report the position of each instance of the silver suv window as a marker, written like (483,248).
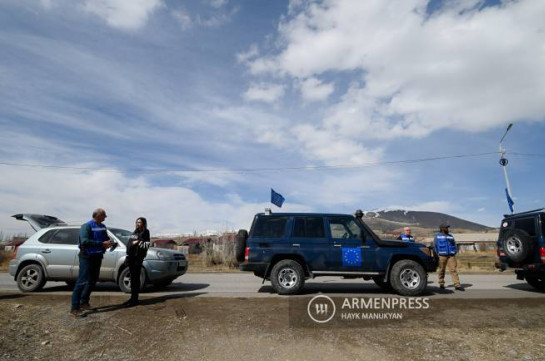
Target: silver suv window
(61,236)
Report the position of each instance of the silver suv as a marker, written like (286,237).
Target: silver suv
(51,254)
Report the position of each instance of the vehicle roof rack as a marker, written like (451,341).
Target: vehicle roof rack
(523,213)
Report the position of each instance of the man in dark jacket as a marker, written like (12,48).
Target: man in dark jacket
(93,242)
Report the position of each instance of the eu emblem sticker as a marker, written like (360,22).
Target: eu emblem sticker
(351,256)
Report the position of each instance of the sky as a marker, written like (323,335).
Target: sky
(189,112)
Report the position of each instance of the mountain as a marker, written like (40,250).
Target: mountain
(390,220)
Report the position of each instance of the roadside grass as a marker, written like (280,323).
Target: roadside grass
(5,257)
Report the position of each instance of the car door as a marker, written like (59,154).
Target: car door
(110,260)
(348,252)
(309,239)
(59,249)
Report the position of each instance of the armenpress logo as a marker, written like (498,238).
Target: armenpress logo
(321,309)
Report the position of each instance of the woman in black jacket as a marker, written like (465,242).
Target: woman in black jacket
(137,248)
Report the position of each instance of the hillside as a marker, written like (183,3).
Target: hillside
(387,221)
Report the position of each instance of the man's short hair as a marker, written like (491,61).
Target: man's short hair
(98,211)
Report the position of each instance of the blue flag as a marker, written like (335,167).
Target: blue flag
(277,199)
(351,256)
(509,200)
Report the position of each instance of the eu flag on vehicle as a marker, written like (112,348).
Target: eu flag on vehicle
(277,199)
(509,200)
(351,256)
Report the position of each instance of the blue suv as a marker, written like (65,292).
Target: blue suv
(521,245)
(288,248)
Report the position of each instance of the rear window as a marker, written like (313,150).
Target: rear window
(543,225)
(64,236)
(46,236)
(527,225)
(268,226)
(309,227)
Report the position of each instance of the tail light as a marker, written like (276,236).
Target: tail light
(542,254)
(500,252)
(246,254)
(14,255)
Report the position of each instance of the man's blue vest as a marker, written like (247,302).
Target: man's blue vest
(406,238)
(98,236)
(445,244)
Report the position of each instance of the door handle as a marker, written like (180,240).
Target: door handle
(296,245)
(337,245)
(46,251)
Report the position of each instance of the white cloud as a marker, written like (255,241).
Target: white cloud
(184,18)
(461,68)
(250,54)
(218,3)
(126,15)
(313,89)
(72,195)
(251,123)
(331,149)
(268,93)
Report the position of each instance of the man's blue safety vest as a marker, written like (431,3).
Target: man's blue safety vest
(406,238)
(445,244)
(98,236)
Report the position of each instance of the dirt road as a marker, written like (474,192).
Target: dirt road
(184,327)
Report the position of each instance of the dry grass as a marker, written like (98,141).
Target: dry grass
(5,257)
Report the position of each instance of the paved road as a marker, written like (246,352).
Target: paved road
(247,285)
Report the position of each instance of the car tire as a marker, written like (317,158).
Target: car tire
(124,280)
(287,277)
(408,278)
(536,282)
(31,278)
(240,244)
(385,285)
(517,245)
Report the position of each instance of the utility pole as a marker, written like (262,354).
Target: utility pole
(503,163)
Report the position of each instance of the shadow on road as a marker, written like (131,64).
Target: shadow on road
(523,287)
(112,287)
(143,302)
(11,296)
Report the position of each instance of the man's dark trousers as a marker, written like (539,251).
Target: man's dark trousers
(89,270)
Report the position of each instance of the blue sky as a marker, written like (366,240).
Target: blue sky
(154,107)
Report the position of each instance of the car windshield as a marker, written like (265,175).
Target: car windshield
(121,234)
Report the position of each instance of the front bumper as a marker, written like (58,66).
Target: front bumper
(160,270)
(431,264)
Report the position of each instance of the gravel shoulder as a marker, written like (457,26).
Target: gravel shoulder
(182,327)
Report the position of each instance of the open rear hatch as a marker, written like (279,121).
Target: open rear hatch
(39,221)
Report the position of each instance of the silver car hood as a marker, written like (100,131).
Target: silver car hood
(39,221)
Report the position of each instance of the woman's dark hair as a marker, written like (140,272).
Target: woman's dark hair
(144,222)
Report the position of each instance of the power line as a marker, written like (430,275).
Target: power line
(251,170)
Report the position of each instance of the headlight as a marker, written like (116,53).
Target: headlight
(162,256)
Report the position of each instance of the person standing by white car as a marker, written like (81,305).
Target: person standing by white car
(137,248)
(93,242)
